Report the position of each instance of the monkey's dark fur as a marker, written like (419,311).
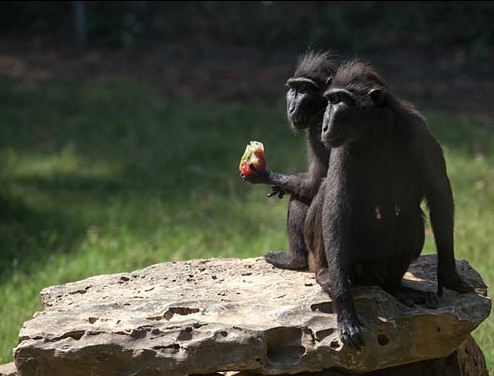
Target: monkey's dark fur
(365,225)
(305,109)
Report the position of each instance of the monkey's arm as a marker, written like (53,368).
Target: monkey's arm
(304,185)
(439,197)
(276,190)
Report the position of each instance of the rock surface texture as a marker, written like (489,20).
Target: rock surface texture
(467,360)
(205,316)
(8,370)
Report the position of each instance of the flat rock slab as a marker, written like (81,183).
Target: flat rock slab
(204,316)
(8,369)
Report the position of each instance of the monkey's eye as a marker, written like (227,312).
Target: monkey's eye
(301,87)
(339,96)
(335,98)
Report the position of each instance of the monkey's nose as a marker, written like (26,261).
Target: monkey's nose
(335,139)
(296,118)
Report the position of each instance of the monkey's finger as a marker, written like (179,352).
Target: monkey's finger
(357,337)
(360,339)
(351,339)
(281,194)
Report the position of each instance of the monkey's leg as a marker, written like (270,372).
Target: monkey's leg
(410,296)
(388,274)
(296,256)
(349,324)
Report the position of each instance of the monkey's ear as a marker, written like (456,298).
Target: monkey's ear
(378,97)
(329,80)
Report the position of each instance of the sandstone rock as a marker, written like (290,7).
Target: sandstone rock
(206,316)
(8,369)
(467,360)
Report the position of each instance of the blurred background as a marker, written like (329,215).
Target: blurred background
(122,123)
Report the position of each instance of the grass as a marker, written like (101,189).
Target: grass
(112,176)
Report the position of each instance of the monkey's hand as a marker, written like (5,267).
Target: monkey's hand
(451,280)
(350,329)
(256,176)
(275,190)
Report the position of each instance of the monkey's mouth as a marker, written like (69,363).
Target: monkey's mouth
(335,140)
(299,124)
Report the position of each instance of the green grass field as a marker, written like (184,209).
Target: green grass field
(112,176)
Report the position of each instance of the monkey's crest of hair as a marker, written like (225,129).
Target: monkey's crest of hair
(359,76)
(316,65)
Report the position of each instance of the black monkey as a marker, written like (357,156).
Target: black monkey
(305,108)
(365,226)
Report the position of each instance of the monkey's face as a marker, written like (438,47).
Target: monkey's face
(351,116)
(305,103)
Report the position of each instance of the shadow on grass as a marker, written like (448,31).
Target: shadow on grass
(29,236)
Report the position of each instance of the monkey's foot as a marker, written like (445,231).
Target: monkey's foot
(284,260)
(351,332)
(410,297)
(453,282)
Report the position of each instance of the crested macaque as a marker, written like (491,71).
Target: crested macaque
(305,108)
(365,226)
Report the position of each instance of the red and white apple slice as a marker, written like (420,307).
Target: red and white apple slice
(253,157)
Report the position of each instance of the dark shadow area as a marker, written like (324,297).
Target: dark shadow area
(30,236)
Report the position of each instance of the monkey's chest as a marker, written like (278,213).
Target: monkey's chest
(386,216)
(386,192)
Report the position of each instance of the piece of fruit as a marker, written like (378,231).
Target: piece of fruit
(253,155)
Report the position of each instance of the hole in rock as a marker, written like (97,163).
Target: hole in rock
(179,311)
(172,311)
(326,307)
(382,339)
(173,348)
(334,344)
(285,346)
(321,334)
(138,333)
(186,334)
(74,334)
